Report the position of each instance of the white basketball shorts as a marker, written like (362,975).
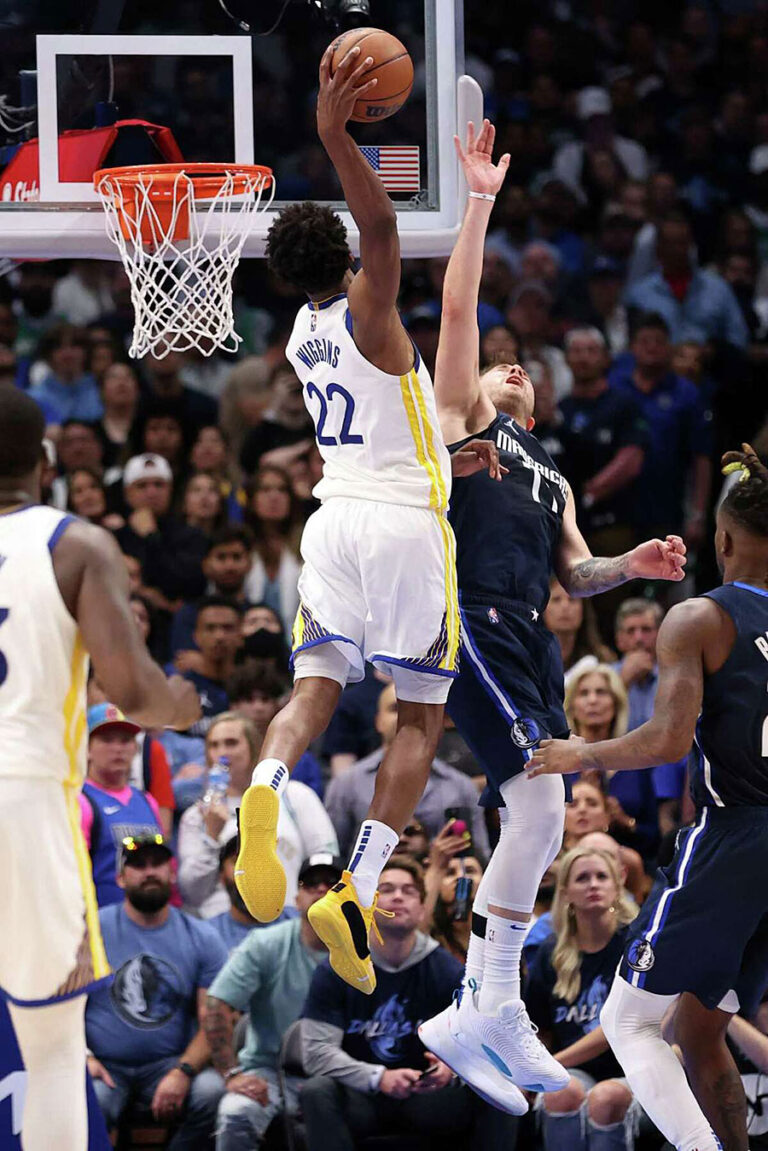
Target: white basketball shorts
(379,584)
(49,924)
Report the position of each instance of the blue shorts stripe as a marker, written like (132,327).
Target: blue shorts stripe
(503,704)
(681,873)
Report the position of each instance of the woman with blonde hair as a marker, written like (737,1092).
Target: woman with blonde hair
(597,707)
(568,984)
(596,703)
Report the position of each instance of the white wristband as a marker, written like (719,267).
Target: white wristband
(482,196)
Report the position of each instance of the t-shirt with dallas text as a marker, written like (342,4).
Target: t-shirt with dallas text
(569,1022)
(149,1011)
(382,1027)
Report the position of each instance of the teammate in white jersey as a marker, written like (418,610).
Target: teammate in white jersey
(378,581)
(63,595)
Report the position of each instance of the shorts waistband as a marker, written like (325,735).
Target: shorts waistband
(745,816)
(470,599)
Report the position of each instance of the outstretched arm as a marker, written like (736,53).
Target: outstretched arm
(373,292)
(457,375)
(583,574)
(668,735)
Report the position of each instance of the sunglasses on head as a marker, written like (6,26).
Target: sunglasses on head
(414,829)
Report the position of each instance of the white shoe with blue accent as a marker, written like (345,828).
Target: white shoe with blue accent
(510,1042)
(449,1036)
(507,1042)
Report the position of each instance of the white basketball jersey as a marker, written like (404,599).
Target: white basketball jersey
(378,434)
(43,665)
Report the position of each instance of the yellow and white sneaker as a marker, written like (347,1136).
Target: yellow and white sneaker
(343,924)
(259,874)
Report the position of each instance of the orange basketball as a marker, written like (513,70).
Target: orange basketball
(392,67)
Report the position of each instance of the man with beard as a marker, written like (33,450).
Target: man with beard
(369,1073)
(234,924)
(144,1033)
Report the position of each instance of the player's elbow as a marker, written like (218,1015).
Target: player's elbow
(672,745)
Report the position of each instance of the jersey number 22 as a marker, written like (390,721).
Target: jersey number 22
(346,436)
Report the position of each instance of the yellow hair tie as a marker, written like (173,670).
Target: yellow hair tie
(737,466)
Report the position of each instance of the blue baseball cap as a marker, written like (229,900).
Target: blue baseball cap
(103,715)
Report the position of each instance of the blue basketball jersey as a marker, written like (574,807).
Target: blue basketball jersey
(729,767)
(507,532)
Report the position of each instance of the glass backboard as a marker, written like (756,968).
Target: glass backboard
(137,82)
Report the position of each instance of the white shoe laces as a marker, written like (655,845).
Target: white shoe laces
(526,1032)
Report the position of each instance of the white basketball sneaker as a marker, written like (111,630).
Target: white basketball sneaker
(509,1041)
(449,1036)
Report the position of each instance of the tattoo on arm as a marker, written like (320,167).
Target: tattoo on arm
(218,1029)
(592,576)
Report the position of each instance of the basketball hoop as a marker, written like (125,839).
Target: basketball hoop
(180,230)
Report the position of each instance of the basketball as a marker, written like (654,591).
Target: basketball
(392,67)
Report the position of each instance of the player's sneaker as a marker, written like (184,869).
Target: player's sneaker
(259,874)
(446,1037)
(509,1041)
(343,924)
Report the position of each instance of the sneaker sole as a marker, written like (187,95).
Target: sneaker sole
(330,926)
(510,1107)
(259,874)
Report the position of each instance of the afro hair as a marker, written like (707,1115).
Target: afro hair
(307,247)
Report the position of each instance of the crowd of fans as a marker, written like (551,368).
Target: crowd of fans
(627,271)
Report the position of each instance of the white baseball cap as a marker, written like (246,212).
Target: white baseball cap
(593,102)
(758,159)
(148,466)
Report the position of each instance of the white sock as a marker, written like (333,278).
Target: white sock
(52,1044)
(271,773)
(375,844)
(473,966)
(504,940)
(631,1019)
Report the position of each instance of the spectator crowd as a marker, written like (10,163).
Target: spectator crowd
(627,270)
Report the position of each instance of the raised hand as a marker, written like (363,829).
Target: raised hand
(480,172)
(659,559)
(338,92)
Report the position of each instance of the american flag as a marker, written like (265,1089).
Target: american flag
(397,165)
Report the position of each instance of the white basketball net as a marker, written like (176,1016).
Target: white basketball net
(181,290)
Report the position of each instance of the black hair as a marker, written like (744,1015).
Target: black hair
(216,601)
(649,320)
(747,501)
(307,247)
(62,334)
(255,676)
(230,534)
(22,427)
(228,850)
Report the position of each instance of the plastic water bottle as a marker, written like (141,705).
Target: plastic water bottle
(216,783)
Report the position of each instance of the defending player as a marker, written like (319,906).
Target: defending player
(510,536)
(378,581)
(701,931)
(63,595)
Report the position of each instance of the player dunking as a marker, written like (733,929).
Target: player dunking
(703,933)
(63,595)
(378,581)
(510,536)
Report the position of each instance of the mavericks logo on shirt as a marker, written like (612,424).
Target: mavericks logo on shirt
(146,992)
